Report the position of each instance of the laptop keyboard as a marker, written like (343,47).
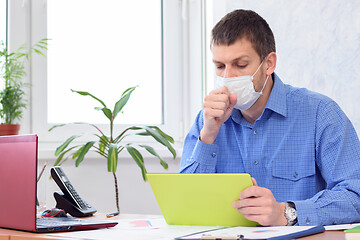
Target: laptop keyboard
(57,222)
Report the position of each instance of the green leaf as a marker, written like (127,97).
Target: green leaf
(143,134)
(107,112)
(129,89)
(85,149)
(60,157)
(101,154)
(44,40)
(89,94)
(153,152)
(38,52)
(112,157)
(120,149)
(158,137)
(65,144)
(169,138)
(77,153)
(21,55)
(123,100)
(56,126)
(136,155)
(41,46)
(103,142)
(123,132)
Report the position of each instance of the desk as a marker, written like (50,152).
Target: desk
(6,234)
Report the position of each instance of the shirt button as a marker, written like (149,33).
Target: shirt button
(213,155)
(255,132)
(256,162)
(295,175)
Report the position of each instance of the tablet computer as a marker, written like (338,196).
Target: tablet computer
(200,199)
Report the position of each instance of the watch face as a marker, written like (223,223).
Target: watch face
(291,213)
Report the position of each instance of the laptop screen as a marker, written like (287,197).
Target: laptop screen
(18,170)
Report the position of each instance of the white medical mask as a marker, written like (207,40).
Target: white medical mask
(243,87)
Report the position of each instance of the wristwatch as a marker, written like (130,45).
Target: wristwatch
(290,213)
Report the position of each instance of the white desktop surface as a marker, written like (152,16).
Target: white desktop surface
(135,227)
(139,227)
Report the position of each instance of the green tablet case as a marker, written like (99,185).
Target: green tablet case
(200,199)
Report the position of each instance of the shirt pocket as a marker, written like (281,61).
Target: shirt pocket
(293,170)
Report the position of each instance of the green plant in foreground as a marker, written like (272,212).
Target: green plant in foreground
(110,146)
(12,71)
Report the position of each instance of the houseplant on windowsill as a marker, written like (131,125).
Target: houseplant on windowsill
(12,72)
(109,146)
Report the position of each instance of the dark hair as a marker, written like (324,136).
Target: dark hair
(244,24)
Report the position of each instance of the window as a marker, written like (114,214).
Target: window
(167,75)
(3,17)
(112,46)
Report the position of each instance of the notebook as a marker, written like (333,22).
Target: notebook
(18,173)
(200,199)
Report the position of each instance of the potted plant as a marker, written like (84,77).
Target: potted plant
(12,71)
(109,146)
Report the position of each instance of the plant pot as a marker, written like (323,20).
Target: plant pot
(9,129)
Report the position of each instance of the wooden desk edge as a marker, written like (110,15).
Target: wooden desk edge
(8,234)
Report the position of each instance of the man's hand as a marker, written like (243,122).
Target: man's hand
(258,204)
(218,106)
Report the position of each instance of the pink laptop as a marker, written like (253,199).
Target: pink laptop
(18,173)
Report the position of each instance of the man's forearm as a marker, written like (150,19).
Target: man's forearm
(201,158)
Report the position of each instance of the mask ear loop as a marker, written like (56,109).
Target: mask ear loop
(264,84)
(252,76)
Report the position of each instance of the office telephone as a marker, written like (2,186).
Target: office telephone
(69,200)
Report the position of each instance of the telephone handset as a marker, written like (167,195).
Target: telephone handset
(69,200)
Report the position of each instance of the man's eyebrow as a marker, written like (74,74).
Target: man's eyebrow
(215,61)
(245,57)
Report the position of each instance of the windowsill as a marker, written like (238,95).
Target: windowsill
(49,154)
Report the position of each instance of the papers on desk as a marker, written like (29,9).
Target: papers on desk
(157,228)
(136,229)
(341,226)
(277,233)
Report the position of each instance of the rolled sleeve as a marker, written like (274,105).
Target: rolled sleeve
(202,160)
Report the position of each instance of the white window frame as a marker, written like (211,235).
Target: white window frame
(182,81)
(3,21)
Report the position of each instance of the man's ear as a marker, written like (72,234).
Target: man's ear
(270,61)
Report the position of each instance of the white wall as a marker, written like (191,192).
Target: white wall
(318,45)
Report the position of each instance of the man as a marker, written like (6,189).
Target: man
(300,148)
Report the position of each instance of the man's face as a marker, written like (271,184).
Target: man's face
(238,59)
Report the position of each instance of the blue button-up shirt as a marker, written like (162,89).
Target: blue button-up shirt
(303,148)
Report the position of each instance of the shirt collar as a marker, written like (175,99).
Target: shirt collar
(275,103)
(277,99)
